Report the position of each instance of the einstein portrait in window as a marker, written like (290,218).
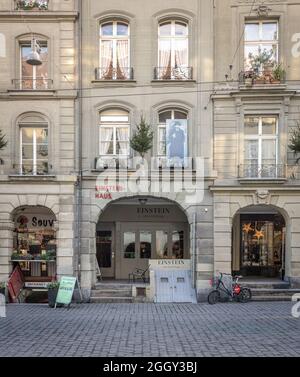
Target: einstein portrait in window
(176,142)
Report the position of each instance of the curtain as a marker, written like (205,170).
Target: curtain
(106,139)
(122,60)
(181,58)
(164,59)
(122,137)
(106,60)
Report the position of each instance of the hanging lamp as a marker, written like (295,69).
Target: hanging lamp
(34,55)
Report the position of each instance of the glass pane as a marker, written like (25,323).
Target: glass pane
(269,32)
(27,69)
(145,245)
(177,244)
(41,135)
(122,148)
(165,58)
(251,150)
(250,51)
(122,134)
(181,29)
(164,116)
(269,126)
(129,245)
(122,29)
(106,141)
(180,115)
(106,62)
(181,53)
(165,29)
(27,167)
(107,29)
(251,32)
(27,151)
(27,135)
(104,248)
(161,244)
(114,115)
(269,151)
(251,126)
(42,152)
(122,60)
(271,50)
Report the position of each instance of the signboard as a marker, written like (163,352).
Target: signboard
(176,142)
(66,290)
(36,284)
(182,264)
(36,221)
(15,284)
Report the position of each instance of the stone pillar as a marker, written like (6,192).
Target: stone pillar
(88,257)
(6,248)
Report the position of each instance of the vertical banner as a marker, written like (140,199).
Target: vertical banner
(66,290)
(176,142)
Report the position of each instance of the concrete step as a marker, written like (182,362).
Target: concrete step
(111,300)
(274,292)
(111,292)
(265,285)
(112,286)
(271,298)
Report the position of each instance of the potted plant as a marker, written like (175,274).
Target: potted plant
(295,141)
(142,140)
(278,74)
(52,293)
(261,63)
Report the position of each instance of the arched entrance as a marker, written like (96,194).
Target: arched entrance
(131,231)
(259,242)
(34,243)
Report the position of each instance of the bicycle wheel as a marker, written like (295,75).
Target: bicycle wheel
(213,297)
(245,295)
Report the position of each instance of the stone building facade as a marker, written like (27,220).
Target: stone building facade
(184,63)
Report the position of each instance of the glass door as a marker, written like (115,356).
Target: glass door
(105,256)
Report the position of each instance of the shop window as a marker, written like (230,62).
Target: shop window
(129,245)
(34,77)
(177,244)
(114,133)
(261,42)
(261,145)
(114,51)
(145,245)
(33,149)
(161,244)
(173,55)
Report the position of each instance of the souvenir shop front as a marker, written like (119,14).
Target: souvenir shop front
(35,244)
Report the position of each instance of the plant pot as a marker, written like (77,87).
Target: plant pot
(259,81)
(268,67)
(248,82)
(52,293)
(276,82)
(2,291)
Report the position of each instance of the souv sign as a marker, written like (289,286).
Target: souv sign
(36,222)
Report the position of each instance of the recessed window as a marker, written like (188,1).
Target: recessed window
(114,133)
(173,61)
(34,77)
(114,51)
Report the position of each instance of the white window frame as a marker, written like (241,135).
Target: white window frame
(260,42)
(162,126)
(173,37)
(260,137)
(34,77)
(34,146)
(114,125)
(114,38)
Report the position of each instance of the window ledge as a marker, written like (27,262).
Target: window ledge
(256,181)
(18,177)
(263,87)
(19,92)
(173,82)
(113,82)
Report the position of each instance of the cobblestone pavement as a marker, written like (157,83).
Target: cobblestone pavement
(254,329)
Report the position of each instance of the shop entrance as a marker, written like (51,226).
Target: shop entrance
(259,243)
(130,234)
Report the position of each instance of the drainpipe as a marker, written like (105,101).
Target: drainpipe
(79,141)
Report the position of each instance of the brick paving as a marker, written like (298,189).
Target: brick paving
(254,329)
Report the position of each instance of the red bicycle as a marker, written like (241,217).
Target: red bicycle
(233,293)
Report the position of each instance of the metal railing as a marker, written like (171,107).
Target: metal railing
(261,77)
(27,169)
(122,74)
(173,73)
(263,171)
(31,4)
(32,84)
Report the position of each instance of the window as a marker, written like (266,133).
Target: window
(129,245)
(145,244)
(261,144)
(114,133)
(261,40)
(34,150)
(173,39)
(34,77)
(164,116)
(114,51)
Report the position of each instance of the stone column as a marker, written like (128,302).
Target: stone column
(6,248)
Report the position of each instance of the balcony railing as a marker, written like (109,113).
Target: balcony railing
(29,83)
(31,4)
(169,73)
(118,74)
(28,169)
(250,78)
(263,171)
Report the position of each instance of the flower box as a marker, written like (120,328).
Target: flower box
(32,4)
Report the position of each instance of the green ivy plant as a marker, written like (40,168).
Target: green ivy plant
(295,141)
